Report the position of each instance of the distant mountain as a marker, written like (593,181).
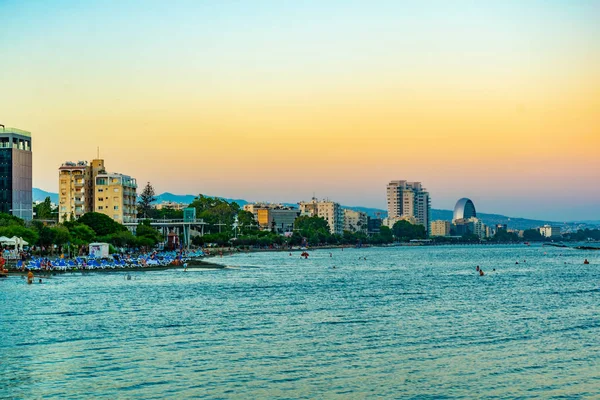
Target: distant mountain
(188,198)
(40,195)
(175,198)
(488,219)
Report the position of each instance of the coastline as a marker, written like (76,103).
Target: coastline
(196,264)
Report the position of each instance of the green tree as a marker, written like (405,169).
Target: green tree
(145,230)
(311,223)
(406,231)
(61,235)
(147,197)
(214,212)
(505,236)
(532,235)
(101,224)
(81,234)
(246,221)
(9,220)
(29,235)
(43,210)
(120,239)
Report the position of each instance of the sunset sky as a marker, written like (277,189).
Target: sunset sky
(275,100)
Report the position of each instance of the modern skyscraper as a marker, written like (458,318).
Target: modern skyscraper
(406,200)
(15,172)
(464,209)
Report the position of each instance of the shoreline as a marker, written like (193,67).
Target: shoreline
(196,264)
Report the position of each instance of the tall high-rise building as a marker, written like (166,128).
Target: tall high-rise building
(15,172)
(408,199)
(328,210)
(78,192)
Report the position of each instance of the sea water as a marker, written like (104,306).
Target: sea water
(403,322)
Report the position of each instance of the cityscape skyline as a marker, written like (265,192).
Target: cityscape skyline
(277,101)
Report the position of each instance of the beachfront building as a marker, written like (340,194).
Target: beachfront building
(78,194)
(274,217)
(374,225)
(115,195)
(16,172)
(391,221)
(549,231)
(464,209)
(468,226)
(328,210)
(439,228)
(171,205)
(355,221)
(76,188)
(408,199)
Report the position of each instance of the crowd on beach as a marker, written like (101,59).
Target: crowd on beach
(115,261)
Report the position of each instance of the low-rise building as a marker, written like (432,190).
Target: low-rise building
(275,217)
(440,228)
(355,221)
(171,205)
(549,231)
(374,225)
(328,210)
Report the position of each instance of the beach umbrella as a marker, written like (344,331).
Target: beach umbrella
(9,241)
(20,241)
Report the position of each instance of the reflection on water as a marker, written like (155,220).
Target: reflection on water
(402,322)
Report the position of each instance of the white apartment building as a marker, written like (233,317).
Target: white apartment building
(408,199)
(549,231)
(328,210)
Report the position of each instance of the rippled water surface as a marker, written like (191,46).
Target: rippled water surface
(404,322)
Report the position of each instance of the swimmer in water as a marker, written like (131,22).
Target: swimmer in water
(586,261)
(481,272)
(477,269)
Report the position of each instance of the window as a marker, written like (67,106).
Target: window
(100,198)
(100,208)
(100,190)
(116,207)
(116,190)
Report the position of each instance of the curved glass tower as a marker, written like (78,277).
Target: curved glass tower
(464,209)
